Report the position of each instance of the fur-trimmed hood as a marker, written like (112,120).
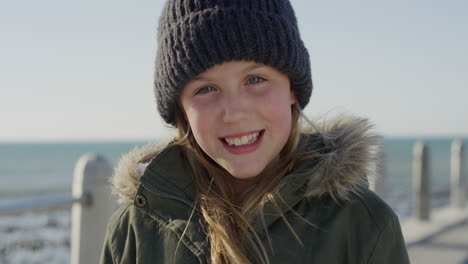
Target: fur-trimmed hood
(349,163)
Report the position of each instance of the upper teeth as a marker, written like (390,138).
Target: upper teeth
(247,139)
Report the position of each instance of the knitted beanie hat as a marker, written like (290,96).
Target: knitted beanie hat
(194,35)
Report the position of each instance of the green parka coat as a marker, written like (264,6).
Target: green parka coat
(351,224)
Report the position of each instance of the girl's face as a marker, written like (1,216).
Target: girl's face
(240,114)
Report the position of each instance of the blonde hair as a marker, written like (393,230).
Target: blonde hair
(227,213)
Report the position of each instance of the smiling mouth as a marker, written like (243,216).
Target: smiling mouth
(243,140)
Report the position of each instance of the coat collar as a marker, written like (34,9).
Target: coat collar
(350,153)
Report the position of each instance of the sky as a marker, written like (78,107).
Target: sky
(83,70)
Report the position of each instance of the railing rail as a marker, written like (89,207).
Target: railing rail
(437,192)
(45,202)
(441,192)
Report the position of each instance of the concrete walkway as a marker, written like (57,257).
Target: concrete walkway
(443,240)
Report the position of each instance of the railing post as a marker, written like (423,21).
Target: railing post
(421,182)
(457,176)
(89,220)
(377,182)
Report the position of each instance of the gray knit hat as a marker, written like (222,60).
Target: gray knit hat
(194,35)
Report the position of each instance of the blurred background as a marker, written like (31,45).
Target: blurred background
(76,77)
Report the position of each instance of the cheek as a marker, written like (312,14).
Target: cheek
(278,107)
(201,124)
(283,120)
(279,114)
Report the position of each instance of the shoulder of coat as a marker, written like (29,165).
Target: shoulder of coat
(378,210)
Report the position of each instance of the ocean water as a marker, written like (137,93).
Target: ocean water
(35,169)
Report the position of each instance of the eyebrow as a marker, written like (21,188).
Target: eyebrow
(255,66)
(248,69)
(198,78)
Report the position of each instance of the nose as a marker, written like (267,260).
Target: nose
(235,108)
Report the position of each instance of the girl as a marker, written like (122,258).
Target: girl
(244,181)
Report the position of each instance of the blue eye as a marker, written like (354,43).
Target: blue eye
(255,80)
(205,90)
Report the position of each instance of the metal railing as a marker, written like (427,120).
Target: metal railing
(91,204)
(45,202)
(422,191)
(422,181)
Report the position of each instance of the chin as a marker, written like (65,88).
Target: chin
(245,170)
(245,174)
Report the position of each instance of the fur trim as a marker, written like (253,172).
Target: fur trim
(352,152)
(130,168)
(352,158)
